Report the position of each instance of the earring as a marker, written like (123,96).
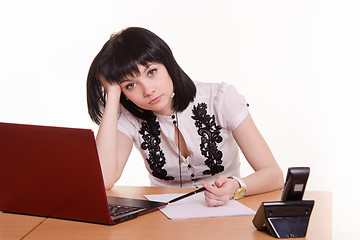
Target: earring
(172,95)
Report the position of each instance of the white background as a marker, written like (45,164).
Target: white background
(295,61)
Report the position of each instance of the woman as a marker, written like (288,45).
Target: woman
(189,133)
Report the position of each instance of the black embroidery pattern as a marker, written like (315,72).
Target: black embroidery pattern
(210,137)
(151,135)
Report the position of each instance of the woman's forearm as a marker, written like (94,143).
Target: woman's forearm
(264,180)
(106,140)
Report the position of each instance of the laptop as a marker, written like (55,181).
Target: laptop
(55,172)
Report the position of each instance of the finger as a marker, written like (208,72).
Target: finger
(102,79)
(210,195)
(213,202)
(212,188)
(205,185)
(213,197)
(219,203)
(216,203)
(209,187)
(220,181)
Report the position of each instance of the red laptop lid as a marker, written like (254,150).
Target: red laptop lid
(51,171)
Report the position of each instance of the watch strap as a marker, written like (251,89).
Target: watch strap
(240,192)
(239,180)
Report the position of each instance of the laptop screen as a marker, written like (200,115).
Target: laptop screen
(51,171)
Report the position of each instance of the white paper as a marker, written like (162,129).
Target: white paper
(196,207)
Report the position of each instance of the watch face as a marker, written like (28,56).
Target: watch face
(240,192)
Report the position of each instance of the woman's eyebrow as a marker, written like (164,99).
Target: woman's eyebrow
(134,74)
(147,66)
(124,80)
(129,77)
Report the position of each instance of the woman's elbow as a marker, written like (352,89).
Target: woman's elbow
(278,177)
(108,184)
(110,178)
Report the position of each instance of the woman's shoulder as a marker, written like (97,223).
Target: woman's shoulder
(126,117)
(224,101)
(211,89)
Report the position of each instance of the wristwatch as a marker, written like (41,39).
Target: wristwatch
(240,192)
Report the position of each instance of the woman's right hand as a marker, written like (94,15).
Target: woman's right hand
(110,88)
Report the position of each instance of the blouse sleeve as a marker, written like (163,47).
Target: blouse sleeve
(125,123)
(230,106)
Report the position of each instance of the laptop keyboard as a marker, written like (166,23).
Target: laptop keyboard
(117,210)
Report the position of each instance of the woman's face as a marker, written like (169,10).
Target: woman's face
(151,90)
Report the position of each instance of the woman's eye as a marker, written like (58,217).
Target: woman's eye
(130,85)
(152,72)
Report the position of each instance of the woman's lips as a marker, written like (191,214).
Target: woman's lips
(155,100)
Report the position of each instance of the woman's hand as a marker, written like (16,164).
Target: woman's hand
(110,88)
(220,192)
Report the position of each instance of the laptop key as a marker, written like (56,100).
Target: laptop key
(117,210)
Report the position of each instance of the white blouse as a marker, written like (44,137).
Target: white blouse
(206,126)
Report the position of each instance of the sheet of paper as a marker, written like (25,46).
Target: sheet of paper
(195,207)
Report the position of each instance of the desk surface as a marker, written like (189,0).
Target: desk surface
(157,226)
(16,226)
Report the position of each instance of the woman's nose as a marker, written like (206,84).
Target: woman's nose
(148,89)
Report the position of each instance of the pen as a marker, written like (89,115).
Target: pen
(187,195)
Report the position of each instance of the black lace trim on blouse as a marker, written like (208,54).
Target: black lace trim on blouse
(210,137)
(150,132)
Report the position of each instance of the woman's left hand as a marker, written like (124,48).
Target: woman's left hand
(220,192)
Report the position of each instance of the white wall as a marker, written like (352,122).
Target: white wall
(295,61)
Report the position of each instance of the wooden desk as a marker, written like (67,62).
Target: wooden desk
(16,226)
(157,226)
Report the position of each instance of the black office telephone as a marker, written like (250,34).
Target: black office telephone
(288,218)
